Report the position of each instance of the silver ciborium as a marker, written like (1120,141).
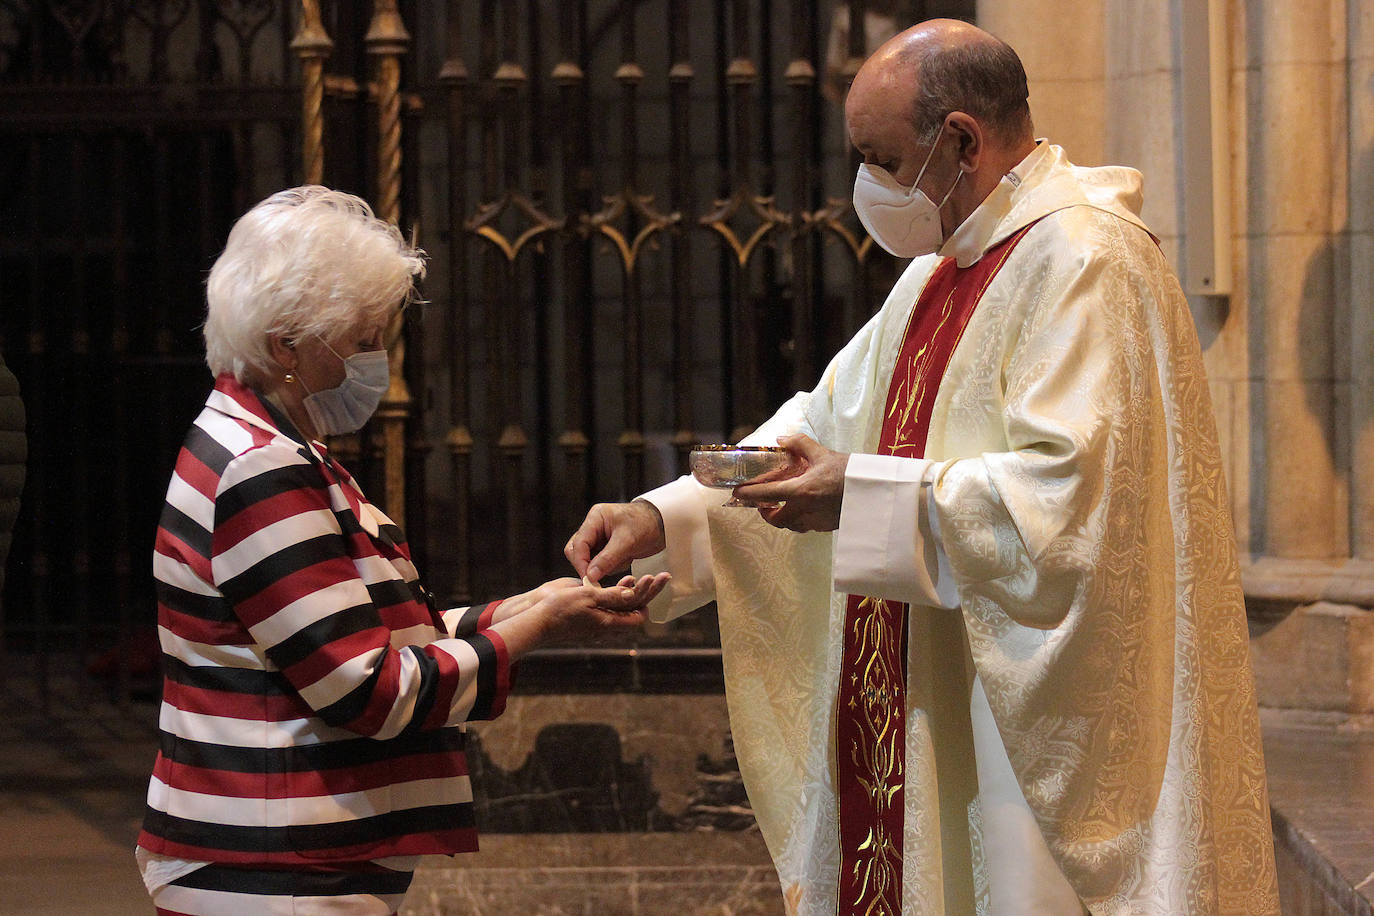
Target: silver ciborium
(725,467)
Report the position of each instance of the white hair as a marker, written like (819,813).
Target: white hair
(304,261)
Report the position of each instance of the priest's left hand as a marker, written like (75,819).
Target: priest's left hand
(809,500)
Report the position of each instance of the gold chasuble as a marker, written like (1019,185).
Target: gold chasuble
(870,722)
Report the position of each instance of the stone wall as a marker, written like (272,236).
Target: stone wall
(547,754)
(1289,351)
(622,804)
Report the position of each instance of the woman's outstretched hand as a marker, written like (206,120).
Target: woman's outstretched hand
(566,609)
(582,610)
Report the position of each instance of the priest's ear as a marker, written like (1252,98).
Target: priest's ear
(969,138)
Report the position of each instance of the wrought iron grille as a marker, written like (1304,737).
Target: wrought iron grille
(638,221)
(646,242)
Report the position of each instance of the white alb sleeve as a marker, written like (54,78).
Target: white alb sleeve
(688,554)
(888,543)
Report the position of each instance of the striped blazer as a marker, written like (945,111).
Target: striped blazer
(313,697)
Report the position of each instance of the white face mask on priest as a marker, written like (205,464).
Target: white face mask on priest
(903,220)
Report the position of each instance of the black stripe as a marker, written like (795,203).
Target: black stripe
(387,536)
(252,681)
(283,563)
(266,485)
(212,608)
(207,450)
(319,838)
(351,705)
(390,592)
(329,755)
(349,524)
(486,676)
(185,529)
(202,755)
(360,751)
(429,688)
(296,883)
(301,644)
(383,827)
(467,624)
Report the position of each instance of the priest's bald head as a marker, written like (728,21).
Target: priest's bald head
(941,109)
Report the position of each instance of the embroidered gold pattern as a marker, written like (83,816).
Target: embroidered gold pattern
(916,384)
(912,389)
(878,757)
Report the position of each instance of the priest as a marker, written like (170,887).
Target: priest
(986,649)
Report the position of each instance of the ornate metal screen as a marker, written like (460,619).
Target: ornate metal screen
(646,242)
(638,221)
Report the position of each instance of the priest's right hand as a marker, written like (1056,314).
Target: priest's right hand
(612,535)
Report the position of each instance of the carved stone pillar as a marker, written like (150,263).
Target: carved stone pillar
(1359,344)
(1313,216)
(1291,102)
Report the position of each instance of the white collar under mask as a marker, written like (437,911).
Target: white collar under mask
(905,221)
(345,408)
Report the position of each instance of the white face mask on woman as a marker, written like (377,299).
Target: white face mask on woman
(903,220)
(342,410)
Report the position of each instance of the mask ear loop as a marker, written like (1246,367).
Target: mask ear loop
(331,349)
(922,172)
(951,189)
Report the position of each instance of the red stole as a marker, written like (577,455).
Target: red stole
(870,729)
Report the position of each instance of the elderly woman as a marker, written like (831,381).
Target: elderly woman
(314,696)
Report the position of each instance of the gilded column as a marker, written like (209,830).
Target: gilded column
(313,46)
(742,77)
(631,440)
(456,80)
(801,77)
(573,441)
(502,148)
(387,40)
(680,77)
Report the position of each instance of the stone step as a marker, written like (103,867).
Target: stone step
(1321,797)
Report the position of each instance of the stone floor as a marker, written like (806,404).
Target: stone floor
(1321,793)
(607,874)
(71,799)
(72,780)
